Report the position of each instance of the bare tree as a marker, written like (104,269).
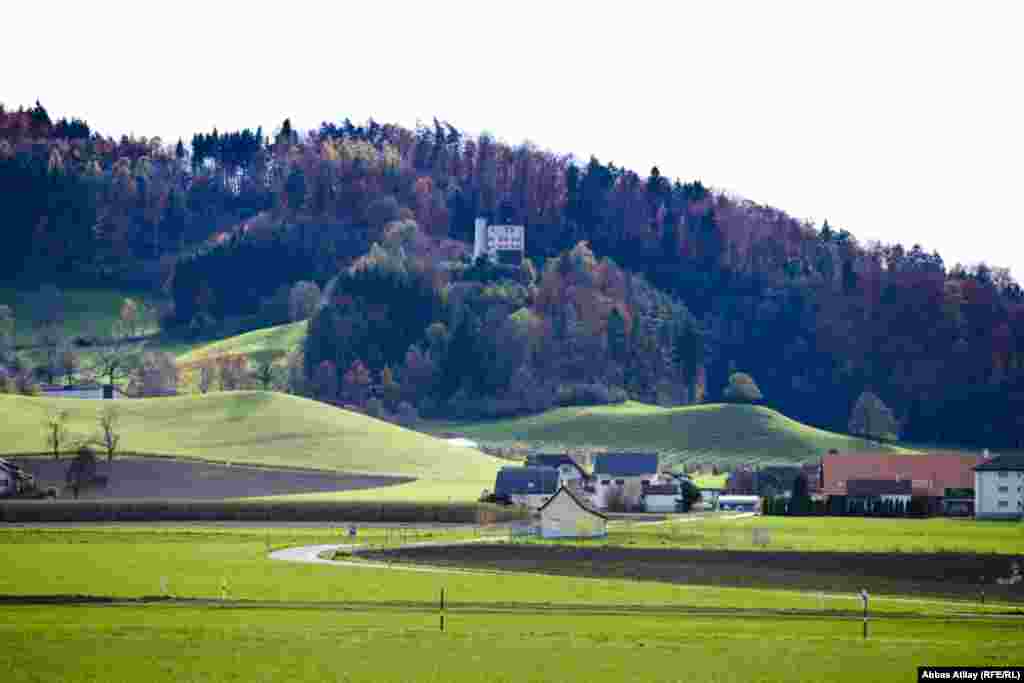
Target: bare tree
(266,374)
(116,360)
(207,376)
(55,430)
(157,375)
(110,438)
(6,332)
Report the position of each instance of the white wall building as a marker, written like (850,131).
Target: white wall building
(500,243)
(623,475)
(568,516)
(999,488)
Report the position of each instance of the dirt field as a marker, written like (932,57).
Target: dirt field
(136,477)
(946,575)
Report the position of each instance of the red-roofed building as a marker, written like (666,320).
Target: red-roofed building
(929,474)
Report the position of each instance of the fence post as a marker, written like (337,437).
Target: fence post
(441,611)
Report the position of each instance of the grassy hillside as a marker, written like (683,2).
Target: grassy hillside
(719,433)
(270,343)
(255,427)
(87,312)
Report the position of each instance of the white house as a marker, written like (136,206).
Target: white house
(623,475)
(529,486)
(566,515)
(998,485)
(500,243)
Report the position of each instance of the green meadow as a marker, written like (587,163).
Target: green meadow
(256,427)
(158,643)
(719,433)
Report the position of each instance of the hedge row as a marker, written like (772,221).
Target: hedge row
(26,511)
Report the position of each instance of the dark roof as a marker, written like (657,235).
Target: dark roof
(879,487)
(662,490)
(553,460)
(521,480)
(626,464)
(579,501)
(1002,463)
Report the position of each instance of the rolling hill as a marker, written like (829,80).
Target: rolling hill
(720,433)
(255,427)
(269,343)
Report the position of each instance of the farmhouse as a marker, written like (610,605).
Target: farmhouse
(566,515)
(929,474)
(622,475)
(7,482)
(499,243)
(570,473)
(529,486)
(866,495)
(998,485)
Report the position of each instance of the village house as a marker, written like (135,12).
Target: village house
(619,478)
(738,503)
(999,488)
(873,494)
(7,482)
(567,515)
(929,475)
(529,486)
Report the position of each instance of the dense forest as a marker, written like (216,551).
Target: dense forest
(636,286)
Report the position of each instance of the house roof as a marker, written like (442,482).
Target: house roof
(1002,463)
(930,474)
(626,464)
(553,460)
(525,480)
(879,487)
(576,499)
(662,490)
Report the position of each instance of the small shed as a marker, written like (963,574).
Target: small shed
(566,515)
(739,503)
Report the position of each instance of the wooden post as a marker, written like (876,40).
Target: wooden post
(442,610)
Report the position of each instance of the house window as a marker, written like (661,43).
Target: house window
(1004,489)
(620,482)
(606,482)
(1003,475)
(1004,504)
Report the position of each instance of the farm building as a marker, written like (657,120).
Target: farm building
(569,471)
(90,391)
(872,494)
(999,488)
(662,497)
(622,475)
(772,480)
(734,503)
(566,515)
(929,474)
(529,486)
(8,482)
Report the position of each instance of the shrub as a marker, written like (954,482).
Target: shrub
(407,414)
(742,389)
(588,394)
(374,408)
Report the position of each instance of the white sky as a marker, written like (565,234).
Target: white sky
(899,120)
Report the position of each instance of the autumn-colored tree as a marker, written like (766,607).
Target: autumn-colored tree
(356,383)
(391,391)
(233,370)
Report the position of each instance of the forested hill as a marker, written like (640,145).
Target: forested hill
(228,218)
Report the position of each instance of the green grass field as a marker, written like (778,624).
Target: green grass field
(186,643)
(346,622)
(715,432)
(255,427)
(87,312)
